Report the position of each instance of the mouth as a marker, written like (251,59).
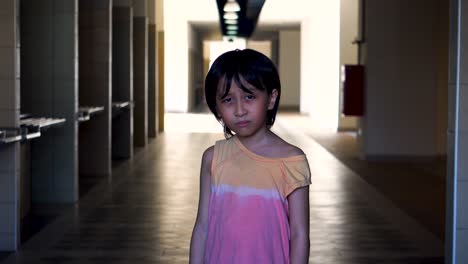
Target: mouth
(242,123)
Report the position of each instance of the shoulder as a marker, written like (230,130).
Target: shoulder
(208,155)
(294,151)
(207,160)
(287,149)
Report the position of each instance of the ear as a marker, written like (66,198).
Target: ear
(273,96)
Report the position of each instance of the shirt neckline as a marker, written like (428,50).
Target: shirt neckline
(263,158)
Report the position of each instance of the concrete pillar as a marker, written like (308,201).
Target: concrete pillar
(122,78)
(290,68)
(49,88)
(9,117)
(152,71)
(349,10)
(140,67)
(160,61)
(456,240)
(95,49)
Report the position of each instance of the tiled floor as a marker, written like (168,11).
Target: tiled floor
(146,213)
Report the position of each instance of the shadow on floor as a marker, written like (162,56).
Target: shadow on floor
(416,187)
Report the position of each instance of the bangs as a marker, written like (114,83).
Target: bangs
(226,83)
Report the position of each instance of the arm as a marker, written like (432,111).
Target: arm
(197,243)
(299,225)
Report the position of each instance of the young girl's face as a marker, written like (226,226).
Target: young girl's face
(244,112)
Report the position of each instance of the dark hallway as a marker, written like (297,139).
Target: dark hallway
(146,214)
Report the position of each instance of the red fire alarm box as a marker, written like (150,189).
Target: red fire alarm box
(353,90)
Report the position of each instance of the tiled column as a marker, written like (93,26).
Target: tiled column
(95,72)
(152,72)
(122,78)
(49,88)
(457,167)
(140,78)
(9,117)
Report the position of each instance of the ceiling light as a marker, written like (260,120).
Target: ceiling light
(231,27)
(231,32)
(231,6)
(230,21)
(230,15)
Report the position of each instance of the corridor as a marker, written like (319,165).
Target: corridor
(145,213)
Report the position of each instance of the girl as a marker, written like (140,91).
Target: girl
(254,186)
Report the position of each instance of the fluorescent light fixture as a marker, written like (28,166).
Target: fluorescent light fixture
(230,21)
(231,6)
(231,27)
(230,15)
(231,32)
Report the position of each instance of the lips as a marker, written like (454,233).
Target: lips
(242,123)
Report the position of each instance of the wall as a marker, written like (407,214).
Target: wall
(456,240)
(176,66)
(9,117)
(401,83)
(289,66)
(348,52)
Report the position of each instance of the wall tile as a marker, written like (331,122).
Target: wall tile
(65,40)
(17,63)
(462,241)
(462,203)
(7,62)
(7,7)
(101,4)
(102,54)
(9,118)
(450,155)
(463,155)
(64,6)
(8,217)
(9,158)
(464,44)
(7,31)
(8,241)
(453,28)
(10,95)
(43,7)
(101,35)
(7,185)
(451,106)
(463,107)
(101,18)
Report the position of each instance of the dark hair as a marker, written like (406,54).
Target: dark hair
(250,65)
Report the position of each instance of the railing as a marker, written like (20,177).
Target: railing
(30,128)
(86,112)
(119,107)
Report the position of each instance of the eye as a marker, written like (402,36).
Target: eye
(250,97)
(226,100)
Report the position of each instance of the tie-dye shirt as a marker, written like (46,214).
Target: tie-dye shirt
(248,211)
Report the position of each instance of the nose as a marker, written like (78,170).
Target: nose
(240,109)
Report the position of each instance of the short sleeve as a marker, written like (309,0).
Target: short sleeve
(295,174)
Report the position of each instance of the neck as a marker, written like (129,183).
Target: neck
(261,138)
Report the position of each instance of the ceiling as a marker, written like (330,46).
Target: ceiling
(248,17)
